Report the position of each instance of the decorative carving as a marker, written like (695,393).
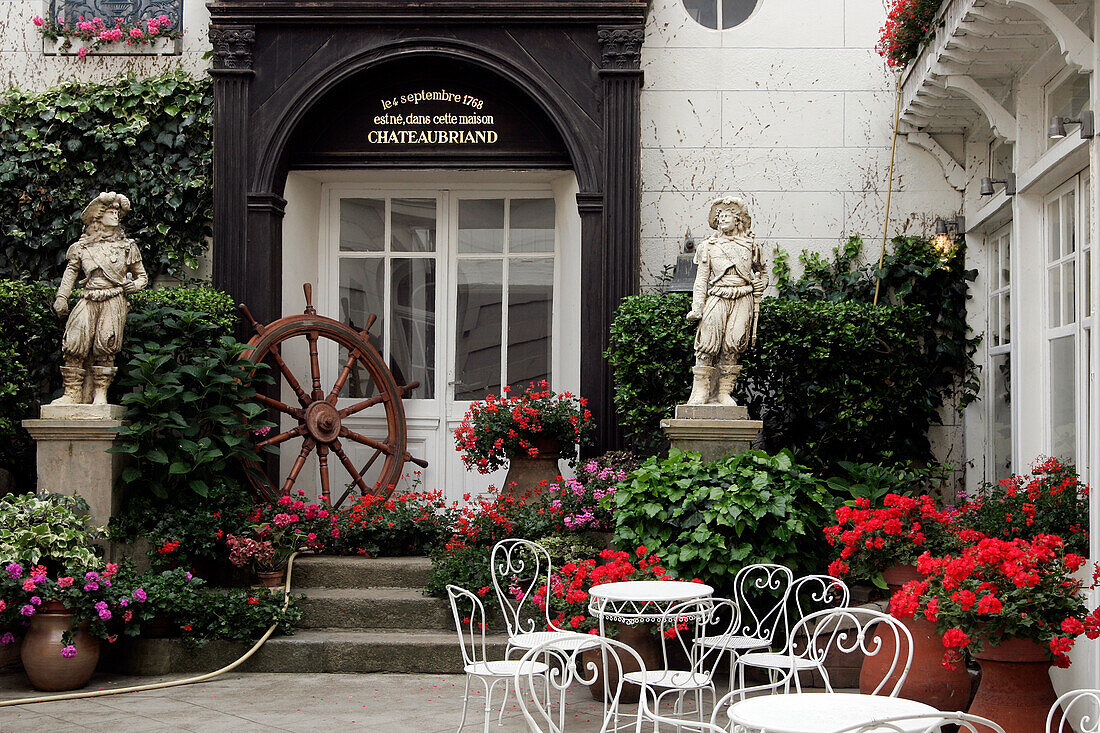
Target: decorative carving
(232,46)
(620,46)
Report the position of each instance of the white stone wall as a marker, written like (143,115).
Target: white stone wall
(793,110)
(23,65)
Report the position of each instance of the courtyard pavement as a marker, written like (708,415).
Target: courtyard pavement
(242,703)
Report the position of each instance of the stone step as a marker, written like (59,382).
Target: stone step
(314,650)
(372,608)
(320,571)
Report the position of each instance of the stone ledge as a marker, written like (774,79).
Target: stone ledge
(81,429)
(82,412)
(711,412)
(715,430)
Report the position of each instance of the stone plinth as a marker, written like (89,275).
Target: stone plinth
(73,457)
(713,431)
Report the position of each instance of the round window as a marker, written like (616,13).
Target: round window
(720,14)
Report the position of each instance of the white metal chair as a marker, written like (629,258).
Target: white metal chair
(933,723)
(520,568)
(469,615)
(613,660)
(808,594)
(678,630)
(1080,711)
(760,592)
(847,630)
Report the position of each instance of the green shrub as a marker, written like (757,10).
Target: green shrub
(708,520)
(147,138)
(873,481)
(51,531)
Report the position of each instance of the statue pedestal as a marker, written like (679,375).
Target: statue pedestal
(713,431)
(72,442)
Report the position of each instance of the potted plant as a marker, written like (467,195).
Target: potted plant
(585,501)
(882,544)
(153,35)
(1016,606)
(528,432)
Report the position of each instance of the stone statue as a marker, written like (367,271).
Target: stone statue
(725,300)
(112,270)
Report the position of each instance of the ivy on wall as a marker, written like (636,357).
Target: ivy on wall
(149,139)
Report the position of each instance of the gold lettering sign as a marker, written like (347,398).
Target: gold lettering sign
(403,122)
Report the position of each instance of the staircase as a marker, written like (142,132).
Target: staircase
(358,615)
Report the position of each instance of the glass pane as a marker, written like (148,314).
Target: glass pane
(1054,231)
(1088,282)
(1086,210)
(481,225)
(478,319)
(530,313)
(362,225)
(704,12)
(1063,397)
(1000,160)
(531,225)
(995,320)
(1000,393)
(1069,219)
(362,288)
(412,340)
(1069,292)
(1006,259)
(1054,287)
(412,225)
(734,12)
(1006,319)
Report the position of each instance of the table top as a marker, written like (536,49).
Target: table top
(822,712)
(656,591)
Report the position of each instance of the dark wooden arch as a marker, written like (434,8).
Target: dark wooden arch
(578,61)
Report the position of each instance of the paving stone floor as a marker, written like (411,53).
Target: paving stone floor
(242,703)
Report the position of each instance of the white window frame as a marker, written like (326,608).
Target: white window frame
(718,16)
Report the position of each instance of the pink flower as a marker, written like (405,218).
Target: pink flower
(7,638)
(64,582)
(91,576)
(83,52)
(282,520)
(69,652)
(112,568)
(91,586)
(36,601)
(28,584)
(14,570)
(38,21)
(27,610)
(136,33)
(139,595)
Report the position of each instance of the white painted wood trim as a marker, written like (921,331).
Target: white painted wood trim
(1077,48)
(954,172)
(1001,121)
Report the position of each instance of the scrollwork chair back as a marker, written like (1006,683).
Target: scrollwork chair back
(1077,710)
(931,722)
(520,568)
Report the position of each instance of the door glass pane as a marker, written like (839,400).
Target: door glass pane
(362,225)
(412,225)
(362,288)
(1069,218)
(1054,231)
(704,12)
(1000,393)
(478,318)
(481,225)
(995,321)
(1088,282)
(530,313)
(531,225)
(412,340)
(1063,397)
(1006,318)
(1054,288)
(1069,291)
(1006,260)
(734,12)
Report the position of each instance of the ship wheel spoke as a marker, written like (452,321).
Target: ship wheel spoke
(360,406)
(315,365)
(322,459)
(282,437)
(364,440)
(280,406)
(290,378)
(307,448)
(356,478)
(344,374)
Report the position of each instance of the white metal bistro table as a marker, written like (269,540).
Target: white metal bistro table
(820,712)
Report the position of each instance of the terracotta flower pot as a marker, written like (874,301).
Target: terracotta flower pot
(531,475)
(927,681)
(47,669)
(640,639)
(1015,690)
(271,578)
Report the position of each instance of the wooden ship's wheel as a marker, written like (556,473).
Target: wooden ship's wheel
(320,423)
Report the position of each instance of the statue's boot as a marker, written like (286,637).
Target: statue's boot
(73,380)
(726,380)
(700,388)
(102,377)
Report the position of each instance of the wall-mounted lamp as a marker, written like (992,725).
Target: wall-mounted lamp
(1009,182)
(947,234)
(683,277)
(1058,125)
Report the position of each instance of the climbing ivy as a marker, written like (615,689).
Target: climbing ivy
(149,139)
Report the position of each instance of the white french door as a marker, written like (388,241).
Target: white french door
(466,286)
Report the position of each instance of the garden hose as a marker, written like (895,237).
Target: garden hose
(171,683)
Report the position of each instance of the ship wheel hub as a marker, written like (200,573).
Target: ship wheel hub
(323,421)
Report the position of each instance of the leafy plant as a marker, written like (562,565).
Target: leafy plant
(873,481)
(95,32)
(708,520)
(405,523)
(148,138)
(51,531)
(909,25)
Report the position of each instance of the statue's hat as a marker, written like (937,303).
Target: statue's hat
(734,204)
(95,208)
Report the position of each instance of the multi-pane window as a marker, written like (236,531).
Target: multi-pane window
(999,339)
(720,14)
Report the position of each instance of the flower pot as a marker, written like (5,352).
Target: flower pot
(639,638)
(271,578)
(531,475)
(928,681)
(1015,689)
(47,669)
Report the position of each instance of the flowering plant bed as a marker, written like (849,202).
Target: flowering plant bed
(280,529)
(909,25)
(404,523)
(997,590)
(897,533)
(97,33)
(500,427)
(585,501)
